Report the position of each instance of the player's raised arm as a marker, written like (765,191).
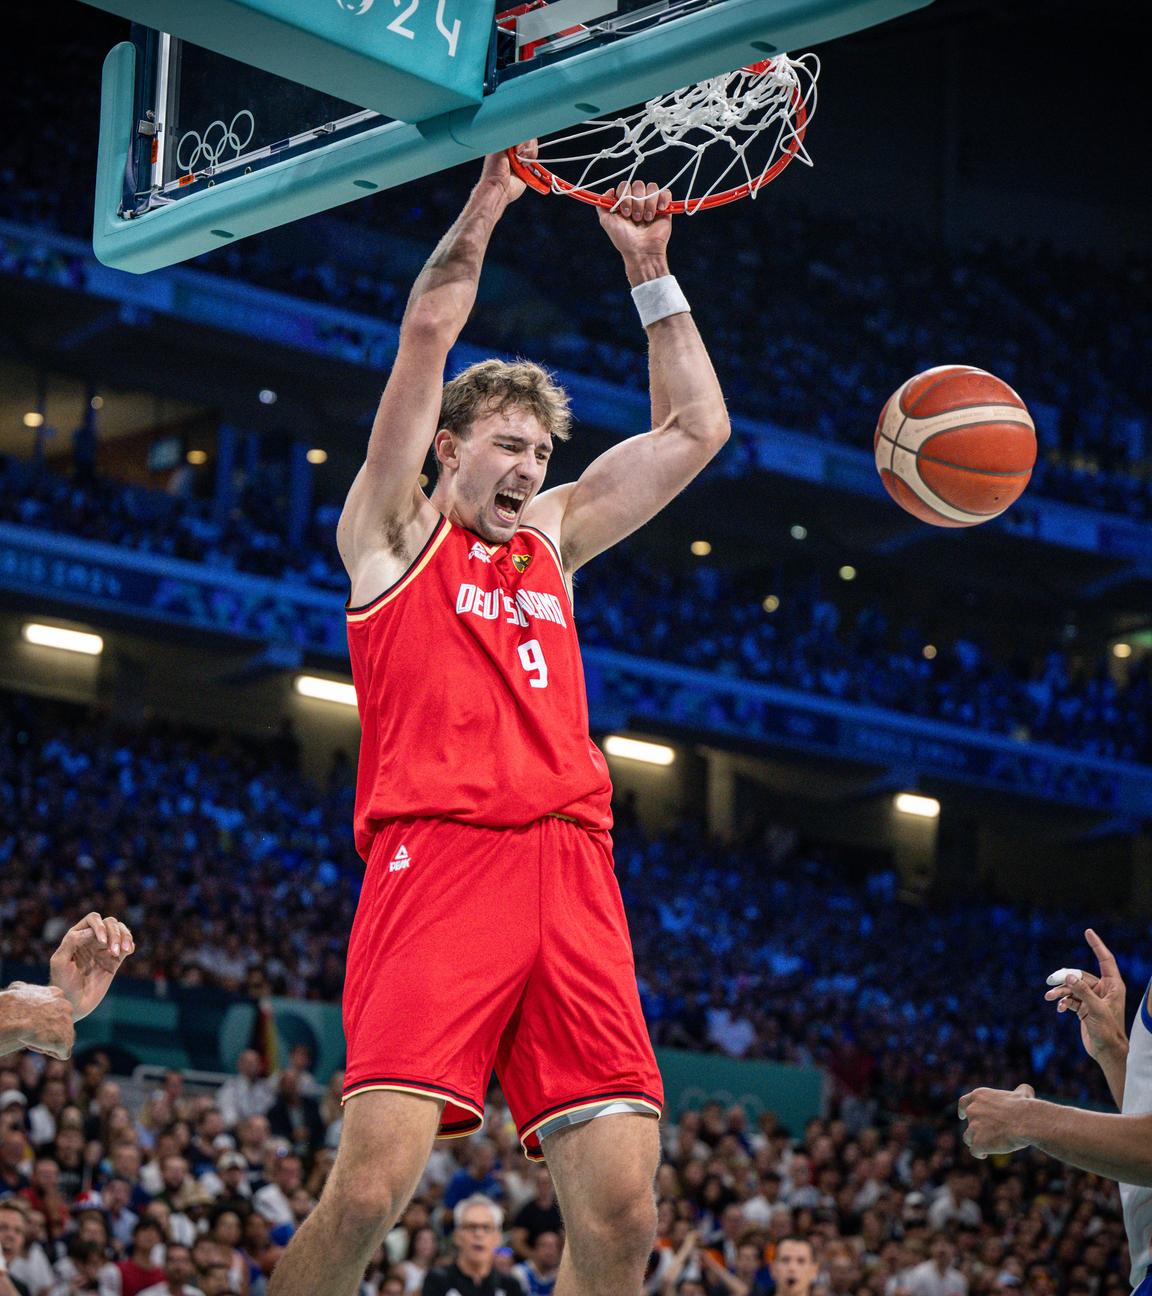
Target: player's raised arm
(632,482)
(1098,1002)
(385,495)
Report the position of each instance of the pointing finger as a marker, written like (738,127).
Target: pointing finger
(1104,955)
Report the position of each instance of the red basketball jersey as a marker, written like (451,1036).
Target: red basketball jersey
(471,691)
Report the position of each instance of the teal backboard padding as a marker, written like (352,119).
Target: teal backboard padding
(412,62)
(546,99)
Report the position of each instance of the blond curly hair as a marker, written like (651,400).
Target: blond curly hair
(492,385)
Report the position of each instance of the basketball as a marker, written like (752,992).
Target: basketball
(955,446)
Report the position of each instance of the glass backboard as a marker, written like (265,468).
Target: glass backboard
(199,147)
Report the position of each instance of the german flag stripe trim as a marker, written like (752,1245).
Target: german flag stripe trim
(425,1091)
(425,556)
(559,561)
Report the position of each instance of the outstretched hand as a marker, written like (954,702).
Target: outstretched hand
(89,956)
(1098,1001)
(639,224)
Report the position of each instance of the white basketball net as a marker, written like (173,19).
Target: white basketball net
(719,134)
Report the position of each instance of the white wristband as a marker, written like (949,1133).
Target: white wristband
(659,298)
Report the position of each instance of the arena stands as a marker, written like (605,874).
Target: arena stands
(874,655)
(239,876)
(764,950)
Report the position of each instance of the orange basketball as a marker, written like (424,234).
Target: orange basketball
(955,446)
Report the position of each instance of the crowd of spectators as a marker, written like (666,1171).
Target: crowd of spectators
(812,642)
(249,537)
(233,871)
(809,641)
(118,1189)
(250,867)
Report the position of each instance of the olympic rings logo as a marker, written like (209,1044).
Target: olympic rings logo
(209,150)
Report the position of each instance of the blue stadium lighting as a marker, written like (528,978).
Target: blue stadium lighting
(799,532)
(267,396)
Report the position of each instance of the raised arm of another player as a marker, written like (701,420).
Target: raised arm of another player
(1098,1002)
(386,492)
(629,484)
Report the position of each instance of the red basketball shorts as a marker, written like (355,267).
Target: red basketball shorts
(481,948)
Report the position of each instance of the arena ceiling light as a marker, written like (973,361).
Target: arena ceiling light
(317,456)
(77,641)
(326,690)
(911,803)
(634,749)
(701,548)
(33,419)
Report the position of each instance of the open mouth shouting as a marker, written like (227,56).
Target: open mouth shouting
(509,504)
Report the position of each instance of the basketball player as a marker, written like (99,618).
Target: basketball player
(1116,1146)
(43,1018)
(490,930)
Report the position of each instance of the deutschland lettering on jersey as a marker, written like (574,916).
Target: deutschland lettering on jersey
(471,691)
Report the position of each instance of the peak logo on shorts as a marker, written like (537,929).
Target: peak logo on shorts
(521,561)
(400,860)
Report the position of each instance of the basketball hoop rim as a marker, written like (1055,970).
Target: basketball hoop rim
(538,177)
